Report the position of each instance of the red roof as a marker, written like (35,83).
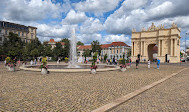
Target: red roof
(105,46)
(84,47)
(119,44)
(51,40)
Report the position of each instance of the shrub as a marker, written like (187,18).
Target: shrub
(44,63)
(66,59)
(122,61)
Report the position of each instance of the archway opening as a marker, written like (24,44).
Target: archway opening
(152,52)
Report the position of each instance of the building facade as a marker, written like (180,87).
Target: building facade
(26,33)
(166,40)
(114,50)
(52,43)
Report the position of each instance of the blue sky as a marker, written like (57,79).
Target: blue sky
(102,20)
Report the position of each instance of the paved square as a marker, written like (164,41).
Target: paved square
(75,92)
(170,96)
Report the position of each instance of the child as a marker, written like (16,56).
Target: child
(148,63)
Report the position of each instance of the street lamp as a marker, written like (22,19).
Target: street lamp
(185,42)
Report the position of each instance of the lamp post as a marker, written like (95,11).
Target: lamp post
(185,42)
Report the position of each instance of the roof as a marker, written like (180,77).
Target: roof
(104,45)
(84,47)
(119,44)
(51,40)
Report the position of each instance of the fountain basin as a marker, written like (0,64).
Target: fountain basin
(63,68)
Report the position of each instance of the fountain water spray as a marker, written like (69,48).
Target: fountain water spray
(73,52)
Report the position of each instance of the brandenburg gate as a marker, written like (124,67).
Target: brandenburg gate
(167,42)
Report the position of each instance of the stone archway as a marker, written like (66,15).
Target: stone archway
(167,41)
(152,52)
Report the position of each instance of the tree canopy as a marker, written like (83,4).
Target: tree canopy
(80,43)
(96,47)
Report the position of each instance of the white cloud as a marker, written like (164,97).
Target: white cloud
(97,6)
(130,16)
(115,38)
(91,25)
(74,17)
(53,31)
(24,10)
(88,38)
(134,4)
(66,6)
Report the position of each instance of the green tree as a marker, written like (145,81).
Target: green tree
(13,46)
(25,54)
(1,50)
(105,57)
(86,53)
(34,53)
(58,51)
(47,51)
(36,47)
(66,49)
(80,43)
(96,47)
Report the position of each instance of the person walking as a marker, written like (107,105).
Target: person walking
(137,62)
(158,63)
(130,61)
(148,63)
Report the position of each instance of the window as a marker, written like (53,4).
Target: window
(117,51)
(1,38)
(31,36)
(120,50)
(22,34)
(18,33)
(0,30)
(31,30)
(6,32)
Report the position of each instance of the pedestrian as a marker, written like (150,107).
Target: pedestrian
(58,61)
(158,63)
(18,62)
(110,61)
(107,61)
(137,62)
(31,62)
(35,61)
(97,61)
(130,61)
(148,63)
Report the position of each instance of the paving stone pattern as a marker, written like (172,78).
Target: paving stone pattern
(170,96)
(72,92)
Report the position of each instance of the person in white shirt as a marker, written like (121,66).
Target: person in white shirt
(148,63)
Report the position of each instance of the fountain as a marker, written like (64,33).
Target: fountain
(72,66)
(73,52)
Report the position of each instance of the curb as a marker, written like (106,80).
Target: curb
(125,98)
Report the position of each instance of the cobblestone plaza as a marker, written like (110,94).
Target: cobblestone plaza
(84,92)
